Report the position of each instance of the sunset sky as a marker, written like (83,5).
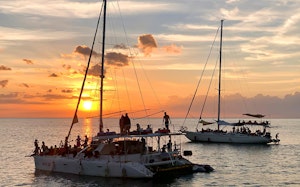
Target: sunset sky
(45,46)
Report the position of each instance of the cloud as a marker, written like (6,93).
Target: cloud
(54,97)
(24,85)
(4,68)
(67,67)
(116,59)
(67,91)
(95,70)
(10,98)
(3,83)
(28,61)
(147,44)
(120,46)
(84,51)
(53,75)
(172,49)
(51,8)
(234,105)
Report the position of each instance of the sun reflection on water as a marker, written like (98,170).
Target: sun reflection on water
(87,127)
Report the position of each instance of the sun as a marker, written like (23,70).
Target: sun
(87,105)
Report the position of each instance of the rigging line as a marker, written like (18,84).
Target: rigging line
(149,115)
(207,92)
(75,118)
(154,93)
(201,76)
(141,94)
(127,92)
(108,114)
(139,86)
(117,90)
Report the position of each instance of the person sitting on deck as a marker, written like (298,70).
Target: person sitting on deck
(44,148)
(85,141)
(138,128)
(169,146)
(37,148)
(78,141)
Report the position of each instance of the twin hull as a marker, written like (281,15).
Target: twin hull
(218,137)
(97,167)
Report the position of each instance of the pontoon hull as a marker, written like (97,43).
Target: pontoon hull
(97,167)
(218,137)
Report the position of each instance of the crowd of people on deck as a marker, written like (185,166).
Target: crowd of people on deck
(63,148)
(125,125)
(237,129)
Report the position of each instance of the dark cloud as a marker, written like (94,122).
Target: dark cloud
(147,44)
(10,98)
(54,96)
(24,85)
(53,75)
(95,70)
(67,67)
(3,83)
(4,68)
(85,51)
(28,61)
(116,59)
(67,91)
(120,46)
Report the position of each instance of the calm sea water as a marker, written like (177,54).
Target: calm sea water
(235,165)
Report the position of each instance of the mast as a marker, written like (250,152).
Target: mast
(102,68)
(75,118)
(220,66)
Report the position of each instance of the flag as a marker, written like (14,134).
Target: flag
(75,119)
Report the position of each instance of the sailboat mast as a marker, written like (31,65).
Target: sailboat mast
(102,68)
(220,66)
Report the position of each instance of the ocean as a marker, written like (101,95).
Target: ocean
(235,165)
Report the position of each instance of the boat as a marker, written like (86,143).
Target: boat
(117,155)
(241,131)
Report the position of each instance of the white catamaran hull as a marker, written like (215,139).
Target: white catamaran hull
(96,167)
(218,137)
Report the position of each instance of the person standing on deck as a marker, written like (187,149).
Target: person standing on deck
(127,123)
(167,120)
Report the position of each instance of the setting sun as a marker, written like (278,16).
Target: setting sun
(87,105)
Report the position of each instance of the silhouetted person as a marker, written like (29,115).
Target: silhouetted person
(78,141)
(121,123)
(36,145)
(127,123)
(85,141)
(167,120)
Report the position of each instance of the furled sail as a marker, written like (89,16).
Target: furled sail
(222,122)
(255,115)
(205,122)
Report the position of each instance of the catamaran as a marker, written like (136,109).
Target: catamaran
(110,154)
(240,133)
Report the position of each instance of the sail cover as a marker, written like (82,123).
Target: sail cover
(221,122)
(255,115)
(205,122)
